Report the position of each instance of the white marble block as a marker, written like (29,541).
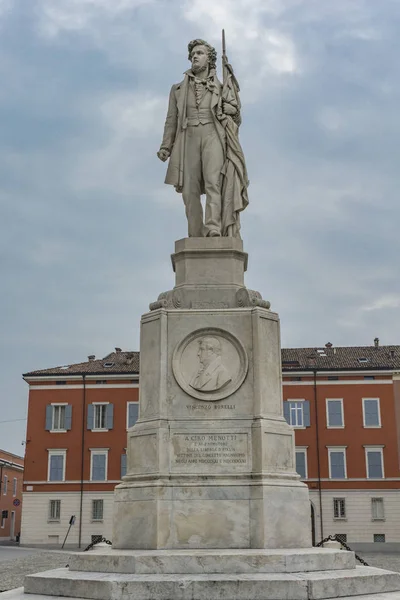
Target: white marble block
(211,460)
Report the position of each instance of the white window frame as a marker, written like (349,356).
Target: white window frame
(337,449)
(303,449)
(92,512)
(15,486)
(56,452)
(383,508)
(53,404)
(5,485)
(50,519)
(302,413)
(94,416)
(93,452)
(379,414)
(327,400)
(368,449)
(340,499)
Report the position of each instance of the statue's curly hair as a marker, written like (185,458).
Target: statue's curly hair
(212,53)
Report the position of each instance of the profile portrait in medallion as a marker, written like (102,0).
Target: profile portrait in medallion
(211,375)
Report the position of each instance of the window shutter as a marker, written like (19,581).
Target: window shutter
(99,467)
(306,413)
(133,413)
(371,412)
(110,416)
(301,464)
(337,465)
(375,465)
(68,416)
(123,464)
(286,411)
(49,417)
(90,416)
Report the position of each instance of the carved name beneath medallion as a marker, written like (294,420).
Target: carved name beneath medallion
(197,450)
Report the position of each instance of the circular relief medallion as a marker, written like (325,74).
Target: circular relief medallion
(210,364)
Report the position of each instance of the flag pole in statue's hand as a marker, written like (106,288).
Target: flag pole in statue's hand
(224,58)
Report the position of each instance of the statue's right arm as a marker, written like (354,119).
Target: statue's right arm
(171,123)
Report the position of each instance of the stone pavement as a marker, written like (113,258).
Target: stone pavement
(12,572)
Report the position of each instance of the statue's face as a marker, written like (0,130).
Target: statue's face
(199,58)
(205,354)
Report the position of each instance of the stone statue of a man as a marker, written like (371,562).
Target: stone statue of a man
(202,144)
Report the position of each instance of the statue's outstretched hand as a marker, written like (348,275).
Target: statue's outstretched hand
(163,154)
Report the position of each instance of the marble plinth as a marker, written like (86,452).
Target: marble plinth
(311,585)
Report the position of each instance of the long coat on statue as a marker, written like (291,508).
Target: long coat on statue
(176,124)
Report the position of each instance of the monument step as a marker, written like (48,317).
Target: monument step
(18,594)
(249,586)
(109,560)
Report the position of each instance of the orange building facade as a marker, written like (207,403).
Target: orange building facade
(344,404)
(11,480)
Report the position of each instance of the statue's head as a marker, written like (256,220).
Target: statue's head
(201,55)
(209,350)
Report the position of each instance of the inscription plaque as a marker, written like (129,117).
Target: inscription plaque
(200,451)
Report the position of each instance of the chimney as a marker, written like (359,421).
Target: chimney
(117,350)
(91,357)
(391,352)
(376,342)
(328,345)
(311,361)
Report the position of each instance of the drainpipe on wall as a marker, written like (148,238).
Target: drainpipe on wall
(318,455)
(82,460)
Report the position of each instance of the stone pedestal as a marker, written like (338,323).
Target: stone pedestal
(211,460)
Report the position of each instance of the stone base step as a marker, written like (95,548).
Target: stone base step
(185,562)
(249,586)
(18,594)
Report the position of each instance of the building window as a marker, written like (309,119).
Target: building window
(15,484)
(100,417)
(295,379)
(379,538)
(334,412)
(123,465)
(56,465)
(54,510)
(58,417)
(301,462)
(297,412)
(339,508)
(98,465)
(371,412)
(377,509)
(337,463)
(342,537)
(132,413)
(333,378)
(61,383)
(97,510)
(5,485)
(3,521)
(374,462)
(369,377)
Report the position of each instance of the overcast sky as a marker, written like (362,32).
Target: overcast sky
(87,225)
